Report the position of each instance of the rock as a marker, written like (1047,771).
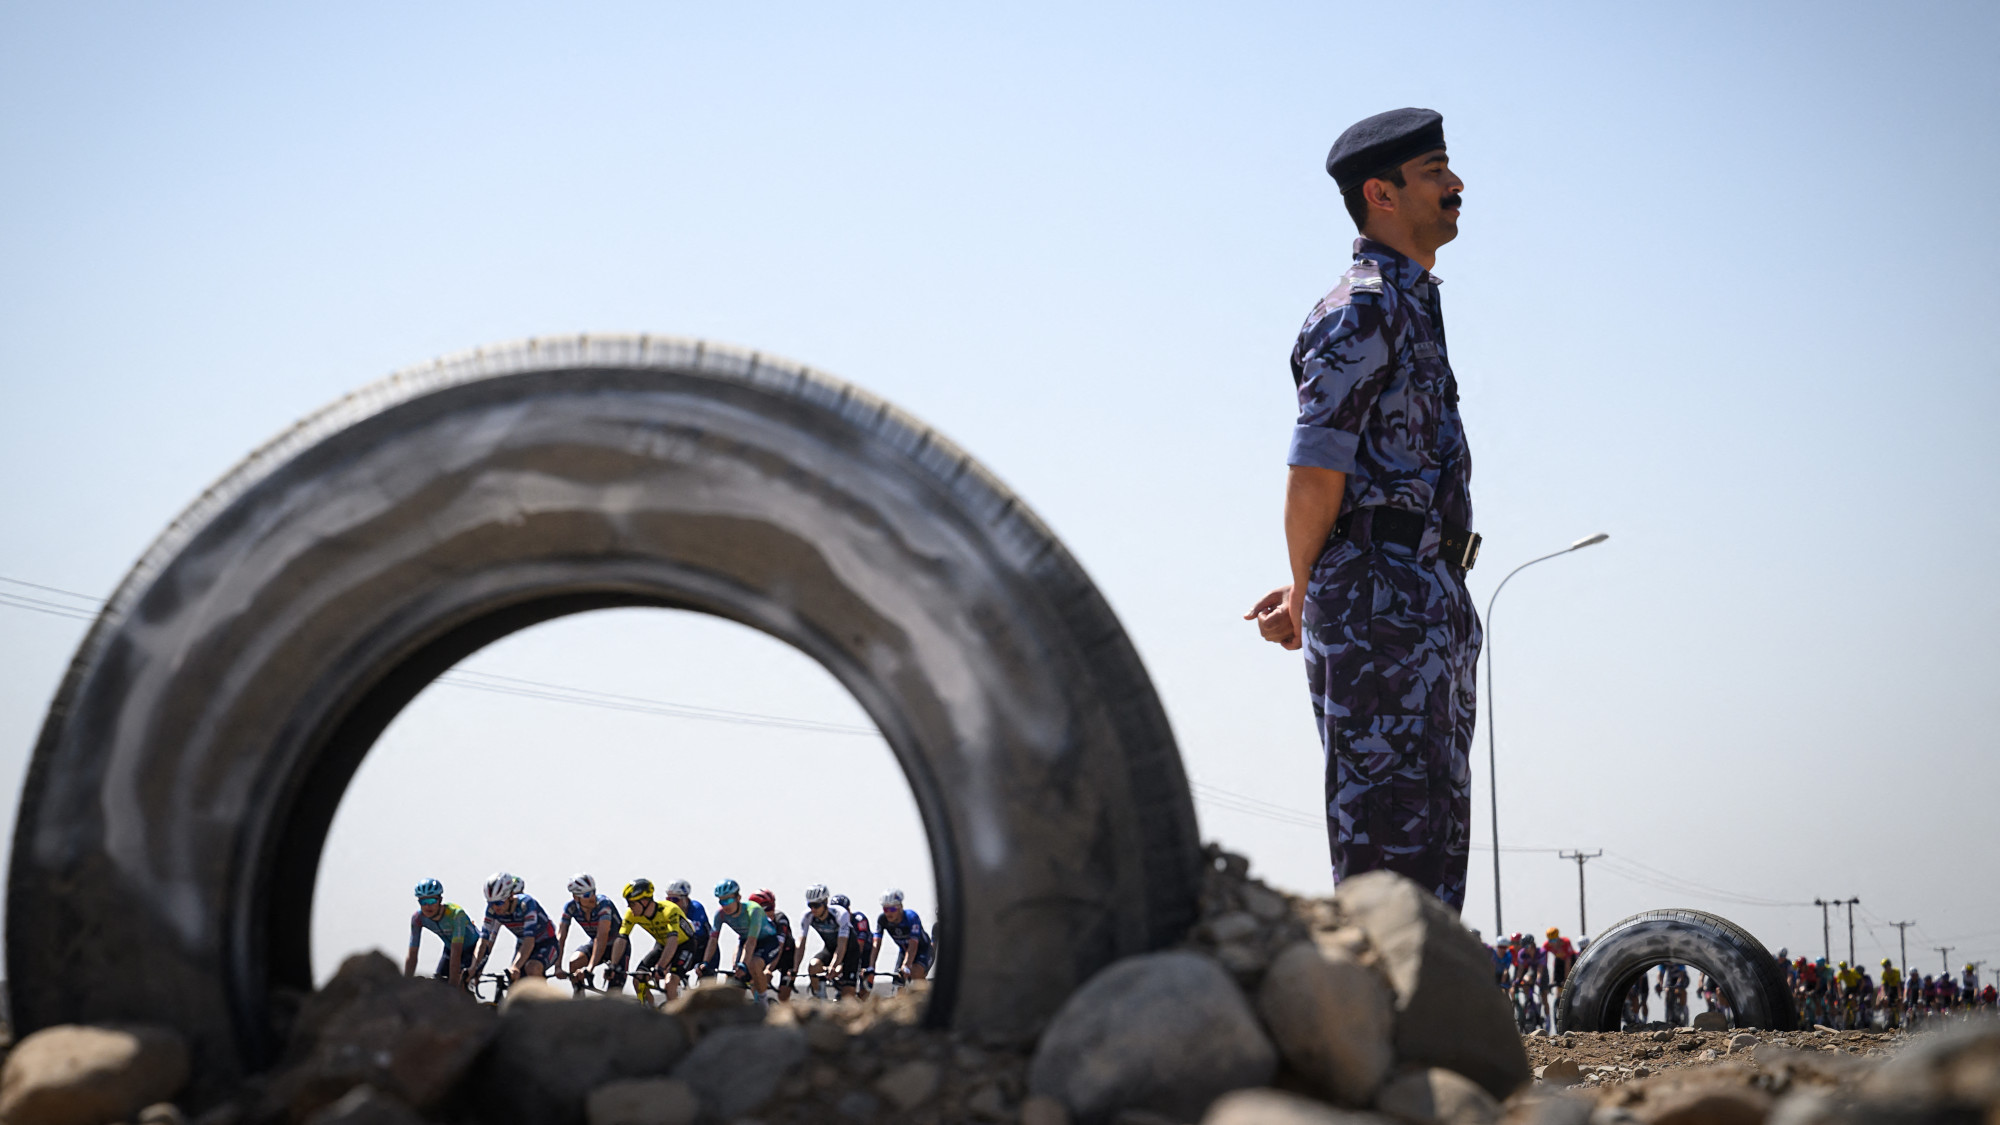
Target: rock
(1713,1104)
(1161,1031)
(1539,1108)
(1448,1014)
(735,1070)
(1662,1036)
(1743,1042)
(547,1057)
(1266,904)
(88,1075)
(988,1103)
(858,1105)
(910,1085)
(825,1037)
(642,1101)
(1709,1055)
(1142,1117)
(1332,1018)
(1233,926)
(162,1113)
(365,1105)
(370,1025)
(1562,1072)
(1043,1110)
(1433,1094)
(1274,1107)
(1711,1021)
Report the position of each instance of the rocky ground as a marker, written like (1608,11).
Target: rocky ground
(1371,1008)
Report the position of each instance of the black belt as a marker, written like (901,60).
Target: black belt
(1458,547)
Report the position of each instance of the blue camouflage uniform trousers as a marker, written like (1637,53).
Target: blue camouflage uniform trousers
(1391,636)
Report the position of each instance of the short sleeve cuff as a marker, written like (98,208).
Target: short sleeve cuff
(1317,447)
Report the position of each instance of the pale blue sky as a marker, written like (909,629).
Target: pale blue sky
(1724,290)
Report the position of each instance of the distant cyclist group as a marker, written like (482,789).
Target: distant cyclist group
(685,942)
(1846,997)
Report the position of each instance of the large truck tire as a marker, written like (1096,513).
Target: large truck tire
(1593,997)
(175,807)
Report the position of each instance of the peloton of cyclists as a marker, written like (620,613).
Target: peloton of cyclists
(509,904)
(454,928)
(682,895)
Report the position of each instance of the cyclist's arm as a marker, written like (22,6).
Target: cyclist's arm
(601,945)
(416,935)
(457,959)
(714,944)
(479,955)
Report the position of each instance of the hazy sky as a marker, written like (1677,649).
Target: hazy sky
(1725,289)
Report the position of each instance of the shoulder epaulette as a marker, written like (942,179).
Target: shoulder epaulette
(1364,276)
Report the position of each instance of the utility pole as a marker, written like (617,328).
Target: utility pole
(1582,919)
(1850,930)
(1944,956)
(1903,939)
(1825,930)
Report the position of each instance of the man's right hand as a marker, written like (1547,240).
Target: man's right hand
(1275,618)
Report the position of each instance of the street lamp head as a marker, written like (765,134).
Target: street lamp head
(1589,541)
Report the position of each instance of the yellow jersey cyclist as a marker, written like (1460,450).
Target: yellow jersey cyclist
(451,924)
(597,918)
(509,904)
(756,938)
(673,950)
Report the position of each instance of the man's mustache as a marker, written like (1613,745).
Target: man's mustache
(1452,200)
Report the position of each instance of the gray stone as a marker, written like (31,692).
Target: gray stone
(1268,905)
(1162,1031)
(858,1105)
(162,1113)
(365,1105)
(1541,1108)
(1274,1107)
(735,1070)
(910,1085)
(988,1103)
(1040,1109)
(1433,1094)
(1561,1072)
(1711,1021)
(1957,1066)
(88,1075)
(1742,1042)
(1233,926)
(642,1101)
(550,1054)
(1332,1018)
(1448,1014)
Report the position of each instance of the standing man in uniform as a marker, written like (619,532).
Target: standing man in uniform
(1378,518)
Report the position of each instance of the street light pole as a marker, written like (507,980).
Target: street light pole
(1492,777)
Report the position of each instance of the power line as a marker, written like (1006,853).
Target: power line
(91,598)
(53,609)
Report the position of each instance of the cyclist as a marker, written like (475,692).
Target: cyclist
(1968,985)
(839,958)
(509,904)
(1559,954)
(682,895)
(1673,987)
(757,942)
(788,950)
(597,917)
(451,924)
(864,939)
(673,948)
(901,927)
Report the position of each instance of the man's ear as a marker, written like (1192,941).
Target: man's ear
(1376,193)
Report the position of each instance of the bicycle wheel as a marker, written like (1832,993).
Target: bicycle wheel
(194,756)
(1596,995)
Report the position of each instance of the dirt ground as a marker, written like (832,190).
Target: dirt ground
(1608,1058)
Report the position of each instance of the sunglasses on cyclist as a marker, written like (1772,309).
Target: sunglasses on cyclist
(729,899)
(428,901)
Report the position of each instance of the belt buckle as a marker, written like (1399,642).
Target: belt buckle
(1471,554)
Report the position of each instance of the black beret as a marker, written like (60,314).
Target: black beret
(1383,141)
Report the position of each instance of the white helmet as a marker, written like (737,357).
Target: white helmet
(816,894)
(892,897)
(503,886)
(680,887)
(582,885)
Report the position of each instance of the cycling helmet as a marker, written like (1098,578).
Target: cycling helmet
(680,887)
(1885,962)
(727,889)
(582,885)
(1554,931)
(816,894)
(842,901)
(638,889)
(765,899)
(892,897)
(430,888)
(503,886)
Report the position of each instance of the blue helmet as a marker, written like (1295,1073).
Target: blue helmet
(727,889)
(430,888)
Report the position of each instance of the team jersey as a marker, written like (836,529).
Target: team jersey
(452,923)
(527,921)
(831,926)
(1559,949)
(1849,979)
(574,912)
(860,924)
(697,916)
(667,924)
(784,926)
(1676,976)
(1891,977)
(750,922)
(902,930)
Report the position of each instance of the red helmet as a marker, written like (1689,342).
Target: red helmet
(765,899)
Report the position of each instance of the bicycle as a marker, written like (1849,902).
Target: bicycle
(501,981)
